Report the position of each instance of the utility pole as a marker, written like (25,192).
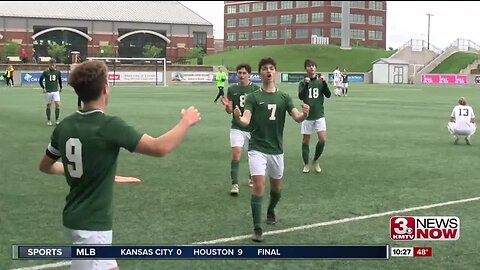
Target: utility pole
(428,33)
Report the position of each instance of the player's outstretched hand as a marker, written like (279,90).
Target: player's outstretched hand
(306,109)
(191,116)
(227,103)
(306,79)
(237,113)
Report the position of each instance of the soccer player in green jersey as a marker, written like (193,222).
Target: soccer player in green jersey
(312,91)
(265,110)
(239,136)
(53,79)
(220,77)
(87,144)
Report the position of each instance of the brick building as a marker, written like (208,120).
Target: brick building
(84,26)
(256,23)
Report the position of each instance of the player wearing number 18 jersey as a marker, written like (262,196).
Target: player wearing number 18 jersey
(312,91)
(88,143)
(239,136)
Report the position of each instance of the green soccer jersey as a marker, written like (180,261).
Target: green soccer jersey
(268,120)
(313,93)
(52,78)
(237,94)
(221,78)
(88,144)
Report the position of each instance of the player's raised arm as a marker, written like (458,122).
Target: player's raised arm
(163,145)
(48,163)
(300,116)
(325,90)
(303,88)
(242,120)
(228,104)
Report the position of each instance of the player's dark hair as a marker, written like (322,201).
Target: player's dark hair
(247,67)
(88,80)
(266,61)
(309,62)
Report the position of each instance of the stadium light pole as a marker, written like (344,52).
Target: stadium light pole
(428,32)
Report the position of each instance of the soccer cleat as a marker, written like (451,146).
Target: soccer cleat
(455,141)
(467,140)
(250,182)
(49,123)
(271,218)
(234,191)
(306,168)
(257,235)
(57,123)
(316,166)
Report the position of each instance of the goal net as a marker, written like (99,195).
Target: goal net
(135,70)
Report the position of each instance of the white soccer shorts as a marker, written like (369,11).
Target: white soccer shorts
(337,84)
(52,96)
(313,126)
(265,164)
(345,85)
(239,138)
(467,129)
(81,237)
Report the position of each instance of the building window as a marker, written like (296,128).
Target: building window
(231,23)
(272,5)
(232,9)
(244,8)
(357,4)
(335,17)
(286,19)
(301,4)
(243,22)
(272,20)
(301,33)
(357,18)
(317,3)
(257,21)
(231,36)
(257,6)
(375,5)
(336,3)
(317,32)
(286,4)
(301,18)
(243,36)
(257,35)
(357,34)
(200,40)
(375,20)
(317,17)
(271,34)
(375,35)
(286,33)
(336,32)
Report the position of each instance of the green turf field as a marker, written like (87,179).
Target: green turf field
(387,149)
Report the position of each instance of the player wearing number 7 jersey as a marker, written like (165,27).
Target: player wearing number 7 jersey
(239,136)
(265,111)
(88,143)
(312,91)
(462,121)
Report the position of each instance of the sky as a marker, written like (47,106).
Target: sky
(405,20)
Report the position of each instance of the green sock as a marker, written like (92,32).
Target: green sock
(274,199)
(319,150)
(305,152)
(48,113)
(256,203)
(234,171)
(57,113)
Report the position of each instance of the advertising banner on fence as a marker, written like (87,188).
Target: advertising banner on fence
(191,76)
(33,77)
(444,79)
(135,76)
(254,77)
(298,76)
(352,77)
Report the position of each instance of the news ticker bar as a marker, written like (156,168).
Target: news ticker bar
(216,252)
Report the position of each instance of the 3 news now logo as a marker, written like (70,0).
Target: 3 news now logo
(425,228)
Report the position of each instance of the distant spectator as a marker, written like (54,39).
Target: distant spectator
(23,54)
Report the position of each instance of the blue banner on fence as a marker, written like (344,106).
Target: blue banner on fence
(33,77)
(254,77)
(201,252)
(353,77)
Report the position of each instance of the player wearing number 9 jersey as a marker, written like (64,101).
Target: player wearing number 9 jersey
(88,143)
(265,111)
(239,136)
(462,121)
(312,91)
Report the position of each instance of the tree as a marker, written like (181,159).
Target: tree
(59,52)
(152,51)
(106,51)
(11,49)
(193,53)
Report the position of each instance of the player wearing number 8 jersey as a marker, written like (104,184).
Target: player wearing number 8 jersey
(88,143)
(239,136)
(462,121)
(53,79)
(312,91)
(265,111)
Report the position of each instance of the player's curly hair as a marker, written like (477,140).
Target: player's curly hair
(88,80)
(247,67)
(462,101)
(266,61)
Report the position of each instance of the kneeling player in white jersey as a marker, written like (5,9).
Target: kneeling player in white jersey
(462,121)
